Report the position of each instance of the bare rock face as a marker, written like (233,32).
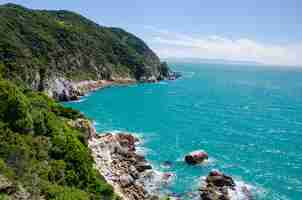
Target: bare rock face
(61,89)
(5,184)
(127,140)
(85,126)
(22,194)
(128,172)
(83,51)
(14,192)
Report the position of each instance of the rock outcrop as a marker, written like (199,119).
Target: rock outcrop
(85,126)
(216,186)
(196,157)
(219,186)
(14,191)
(127,171)
(68,90)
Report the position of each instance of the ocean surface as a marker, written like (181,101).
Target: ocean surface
(248,119)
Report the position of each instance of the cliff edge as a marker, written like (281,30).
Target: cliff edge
(54,50)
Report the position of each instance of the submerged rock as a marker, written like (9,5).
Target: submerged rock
(196,157)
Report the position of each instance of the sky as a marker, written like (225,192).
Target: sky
(264,31)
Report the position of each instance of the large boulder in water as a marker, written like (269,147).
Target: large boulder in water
(216,186)
(196,157)
(219,179)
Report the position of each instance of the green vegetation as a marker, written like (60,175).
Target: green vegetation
(42,152)
(36,45)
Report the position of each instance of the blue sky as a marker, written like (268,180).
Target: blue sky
(268,31)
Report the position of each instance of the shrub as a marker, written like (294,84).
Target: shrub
(14,108)
(50,159)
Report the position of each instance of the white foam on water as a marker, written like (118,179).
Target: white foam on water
(246,107)
(143,150)
(206,162)
(182,157)
(246,191)
(162,83)
(155,181)
(242,191)
(95,123)
(209,161)
(197,151)
(187,74)
(78,101)
(87,94)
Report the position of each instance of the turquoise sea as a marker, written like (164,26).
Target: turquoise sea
(248,119)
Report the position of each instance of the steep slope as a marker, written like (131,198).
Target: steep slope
(43,150)
(44,49)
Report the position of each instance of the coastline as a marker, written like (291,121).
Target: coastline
(133,177)
(68,90)
(128,172)
(115,155)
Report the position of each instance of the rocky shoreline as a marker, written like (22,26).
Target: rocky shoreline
(67,90)
(131,176)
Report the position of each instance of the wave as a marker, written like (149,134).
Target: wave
(187,74)
(143,150)
(157,182)
(162,83)
(243,191)
(95,123)
(78,101)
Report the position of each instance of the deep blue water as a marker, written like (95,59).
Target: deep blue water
(248,118)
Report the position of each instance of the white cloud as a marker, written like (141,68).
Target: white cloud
(170,44)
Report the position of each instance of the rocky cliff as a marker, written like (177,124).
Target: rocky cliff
(47,50)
